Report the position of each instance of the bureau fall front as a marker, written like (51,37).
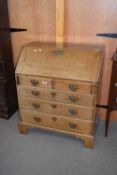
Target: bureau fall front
(58,89)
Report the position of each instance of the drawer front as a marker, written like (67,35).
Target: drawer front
(73,86)
(58,96)
(66,85)
(35,81)
(73,111)
(57,122)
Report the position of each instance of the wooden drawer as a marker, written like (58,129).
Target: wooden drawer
(57,95)
(35,81)
(66,85)
(73,86)
(58,122)
(74,111)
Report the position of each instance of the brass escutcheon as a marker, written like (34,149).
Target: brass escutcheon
(35,93)
(53,94)
(73,99)
(37,119)
(34,82)
(73,125)
(73,111)
(73,87)
(54,119)
(35,105)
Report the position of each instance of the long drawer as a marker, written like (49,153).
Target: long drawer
(68,85)
(58,122)
(57,95)
(76,111)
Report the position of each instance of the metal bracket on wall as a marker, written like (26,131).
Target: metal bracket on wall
(17,30)
(111,35)
(102,106)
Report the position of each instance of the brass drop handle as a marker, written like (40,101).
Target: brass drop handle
(54,106)
(73,125)
(53,94)
(73,111)
(35,93)
(54,119)
(73,99)
(37,119)
(35,105)
(73,87)
(34,82)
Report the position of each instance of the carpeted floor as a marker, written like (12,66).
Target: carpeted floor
(45,153)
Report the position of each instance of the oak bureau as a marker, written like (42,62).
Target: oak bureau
(58,89)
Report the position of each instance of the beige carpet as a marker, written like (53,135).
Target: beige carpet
(45,153)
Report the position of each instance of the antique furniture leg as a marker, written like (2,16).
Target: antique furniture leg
(23,129)
(88,142)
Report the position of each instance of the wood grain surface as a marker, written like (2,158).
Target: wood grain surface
(62,109)
(83,19)
(57,122)
(69,63)
(57,84)
(59,23)
(57,95)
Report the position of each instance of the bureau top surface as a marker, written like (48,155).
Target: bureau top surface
(73,63)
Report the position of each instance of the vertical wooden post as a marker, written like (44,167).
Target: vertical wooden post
(59,23)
